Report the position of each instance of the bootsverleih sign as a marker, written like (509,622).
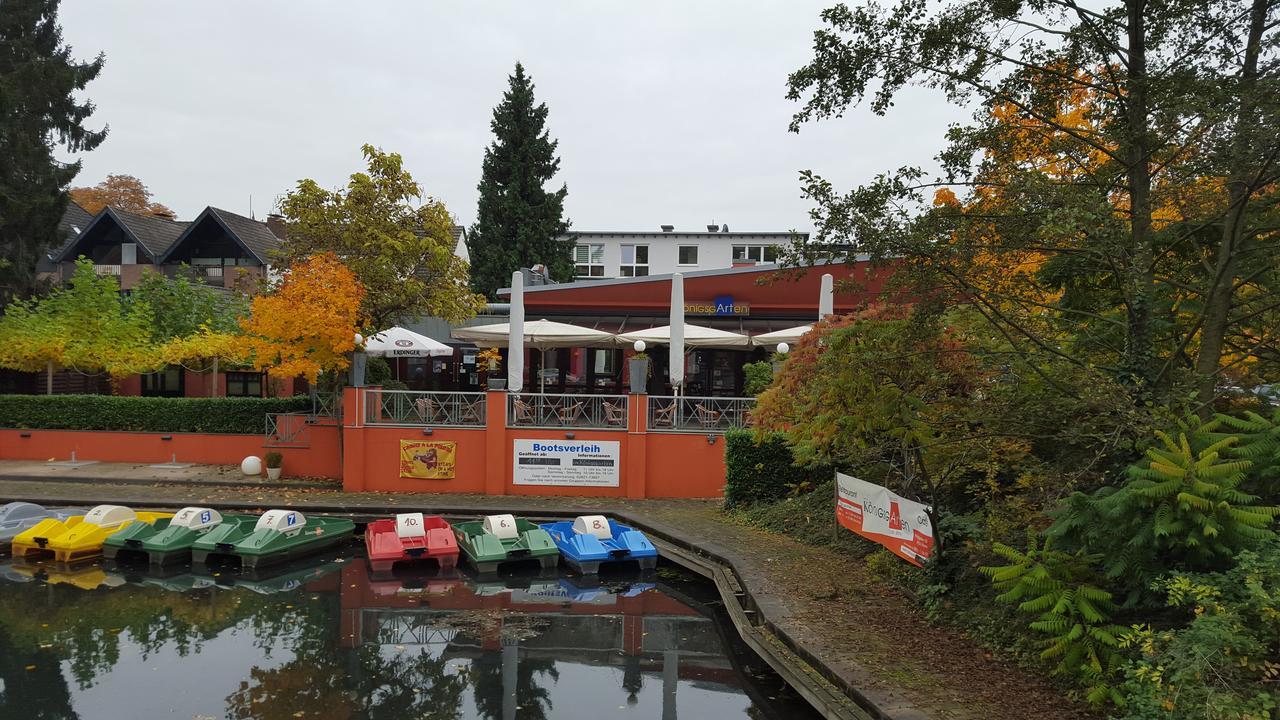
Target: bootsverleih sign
(566,463)
(876,513)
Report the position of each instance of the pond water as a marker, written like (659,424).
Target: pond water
(328,639)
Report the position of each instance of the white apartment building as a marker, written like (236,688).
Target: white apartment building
(615,254)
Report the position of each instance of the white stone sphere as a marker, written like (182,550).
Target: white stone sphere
(251,465)
(784,348)
(639,345)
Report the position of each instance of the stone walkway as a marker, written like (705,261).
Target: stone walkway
(867,636)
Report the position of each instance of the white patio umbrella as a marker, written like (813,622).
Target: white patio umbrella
(826,297)
(399,342)
(695,336)
(676,332)
(515,335)
(789,336)
(538,334)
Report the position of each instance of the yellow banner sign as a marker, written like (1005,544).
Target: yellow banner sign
(427,459)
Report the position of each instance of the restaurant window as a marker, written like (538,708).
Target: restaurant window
(758,253)
(166,383)
(688,255)
(588,260)
(635,261)
(244,384)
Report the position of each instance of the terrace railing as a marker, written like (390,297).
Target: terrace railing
(699,414)
(326,404)
(289,430)
(546,410)
(413,407)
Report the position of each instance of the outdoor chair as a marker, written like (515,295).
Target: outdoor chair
(706,415)
(524,413)
(571,413)
(664,416)
(471,412)
(614,414)
(425,409)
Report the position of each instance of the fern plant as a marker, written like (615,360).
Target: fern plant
(1181,509)
(1073,612)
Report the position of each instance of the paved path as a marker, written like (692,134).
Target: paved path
(866,635)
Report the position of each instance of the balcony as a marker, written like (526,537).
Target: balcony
(113,270)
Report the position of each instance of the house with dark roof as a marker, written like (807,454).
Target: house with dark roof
(227,249)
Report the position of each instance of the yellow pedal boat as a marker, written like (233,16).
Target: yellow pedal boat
(80,536)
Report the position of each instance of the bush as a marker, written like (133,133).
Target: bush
(761,468)
(143,414)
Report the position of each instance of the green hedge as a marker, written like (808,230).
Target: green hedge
(762,468)
(143,414)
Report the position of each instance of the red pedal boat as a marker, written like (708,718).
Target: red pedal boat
(409,537)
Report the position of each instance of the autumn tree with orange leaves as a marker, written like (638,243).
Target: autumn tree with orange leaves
(1112,205)
(307,325)
(122,192)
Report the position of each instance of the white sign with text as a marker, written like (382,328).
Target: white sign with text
(566,463)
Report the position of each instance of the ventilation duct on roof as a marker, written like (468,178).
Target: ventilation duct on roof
(668,228)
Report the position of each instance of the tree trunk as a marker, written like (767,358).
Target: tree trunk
(48,378)
(213,392)
(1219,298)
(1139,345)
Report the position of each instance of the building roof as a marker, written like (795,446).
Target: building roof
(153,234)
(74,220)
(255,236)
(731,234)
(791,295)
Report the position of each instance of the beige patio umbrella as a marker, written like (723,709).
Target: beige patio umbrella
(695,336)
(539,334)
(789,336)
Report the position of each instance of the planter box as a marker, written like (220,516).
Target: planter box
(639,370)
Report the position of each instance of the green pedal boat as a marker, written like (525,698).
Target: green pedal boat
(499,539)
(164,545)
(277,536)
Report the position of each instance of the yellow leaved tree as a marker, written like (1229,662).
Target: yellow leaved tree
(307,324)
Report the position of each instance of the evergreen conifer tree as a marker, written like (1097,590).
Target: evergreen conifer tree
(37,112)
(518,222)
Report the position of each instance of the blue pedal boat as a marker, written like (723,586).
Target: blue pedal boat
(589,541)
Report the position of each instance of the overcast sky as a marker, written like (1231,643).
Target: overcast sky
(666,112)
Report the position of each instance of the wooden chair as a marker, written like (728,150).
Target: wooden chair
(570,413)
(524,413)
(664,416)
(614,414)
(425,409)
(706,415)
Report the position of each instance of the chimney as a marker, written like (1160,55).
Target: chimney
(713,228)
(668,228)
(275,223)
(724,228)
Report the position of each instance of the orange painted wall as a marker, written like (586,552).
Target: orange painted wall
(680,465)
(379,468)
(322,459)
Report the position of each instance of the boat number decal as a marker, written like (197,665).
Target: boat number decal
(411,521)
(595,525)
(291,519)
(205,516)
(502,523)
(184,514)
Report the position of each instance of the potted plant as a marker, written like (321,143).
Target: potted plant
(492,359)
(275,463)
(638,366)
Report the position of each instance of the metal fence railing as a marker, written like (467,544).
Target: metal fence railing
(413,407)
(288,430)
(699,414)
(326,404)
(566,411)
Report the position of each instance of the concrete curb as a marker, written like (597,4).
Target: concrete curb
(184,482)
(832,694)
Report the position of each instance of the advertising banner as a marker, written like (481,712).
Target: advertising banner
(881,516)
(566,463)
(427,459)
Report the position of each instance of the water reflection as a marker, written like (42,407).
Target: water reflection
(326,639)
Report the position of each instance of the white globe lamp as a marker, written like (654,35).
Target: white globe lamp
(639,346)
(251,465)
(783,348)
